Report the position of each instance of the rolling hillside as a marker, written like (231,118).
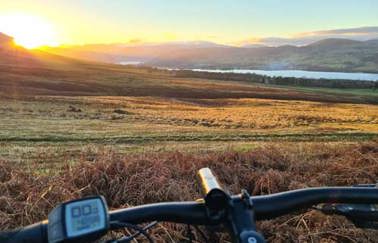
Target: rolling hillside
(24,72)
(325,55)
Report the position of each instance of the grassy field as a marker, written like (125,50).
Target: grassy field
(373,93)
(45,128)
(63,122)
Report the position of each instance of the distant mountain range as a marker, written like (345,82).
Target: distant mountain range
(332,54)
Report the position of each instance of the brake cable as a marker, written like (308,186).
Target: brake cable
(139,231)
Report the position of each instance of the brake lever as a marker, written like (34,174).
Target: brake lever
(362,215)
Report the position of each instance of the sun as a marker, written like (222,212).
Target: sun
(28,31)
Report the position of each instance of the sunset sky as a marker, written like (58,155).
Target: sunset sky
(54,22)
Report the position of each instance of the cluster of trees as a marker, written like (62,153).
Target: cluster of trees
(305,82)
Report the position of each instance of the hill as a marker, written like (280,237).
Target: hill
(5,41)
(10,53)
(332,42)
(25,72)
(325,55)
(30,73)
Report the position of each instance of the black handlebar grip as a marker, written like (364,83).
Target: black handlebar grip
(36,233)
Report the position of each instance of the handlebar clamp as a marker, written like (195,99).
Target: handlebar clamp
(216,199)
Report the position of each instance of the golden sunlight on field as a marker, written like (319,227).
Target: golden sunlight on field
(54,125)
(252,114)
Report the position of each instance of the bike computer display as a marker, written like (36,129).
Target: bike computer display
(85,219)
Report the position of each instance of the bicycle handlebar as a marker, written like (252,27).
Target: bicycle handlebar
(265,207)
(35,233)
(271,206)
(175,212)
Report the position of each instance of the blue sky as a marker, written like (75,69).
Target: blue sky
(224,21)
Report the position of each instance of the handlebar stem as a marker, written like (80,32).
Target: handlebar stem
(241,220)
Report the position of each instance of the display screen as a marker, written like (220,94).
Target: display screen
(84,217)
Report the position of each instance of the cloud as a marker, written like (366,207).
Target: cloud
(351,31)
(361,34)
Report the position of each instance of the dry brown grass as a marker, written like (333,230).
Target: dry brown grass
(251,114)
(146,178)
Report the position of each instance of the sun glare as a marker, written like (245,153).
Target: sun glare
(28,31)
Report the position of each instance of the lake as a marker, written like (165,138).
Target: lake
(300,74)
